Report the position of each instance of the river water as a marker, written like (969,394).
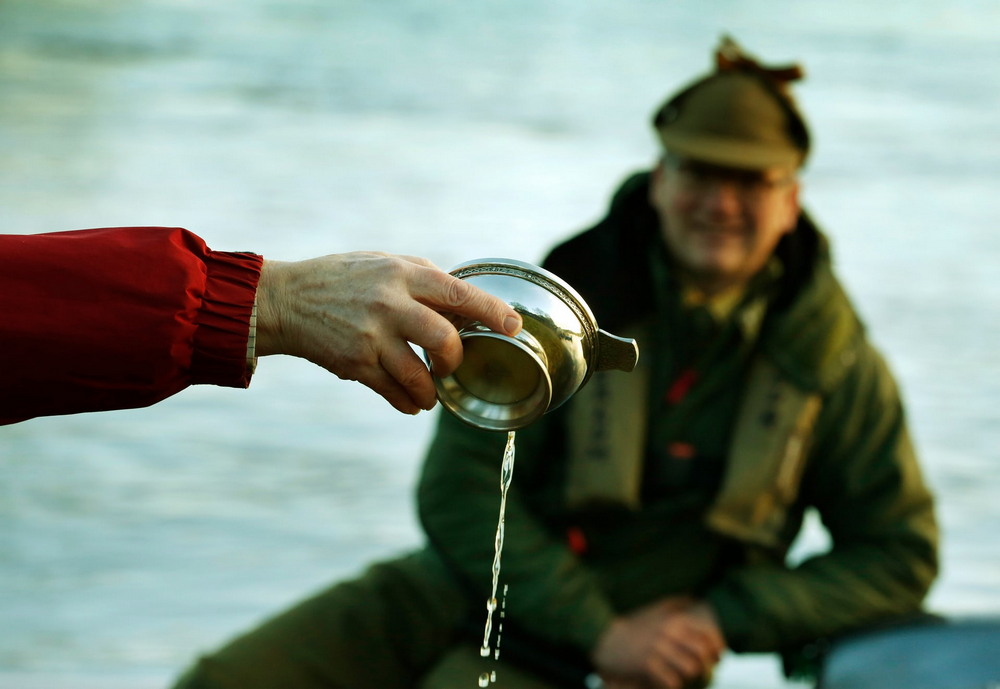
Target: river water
(130,541)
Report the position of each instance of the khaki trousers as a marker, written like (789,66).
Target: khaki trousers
(398,626)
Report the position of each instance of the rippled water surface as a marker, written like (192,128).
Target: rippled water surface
(130,541)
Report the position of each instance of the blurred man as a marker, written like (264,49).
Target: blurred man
(651,515)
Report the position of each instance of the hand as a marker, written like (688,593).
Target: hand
(355,314)
(671,644)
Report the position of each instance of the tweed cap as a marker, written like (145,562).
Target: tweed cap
(741,115)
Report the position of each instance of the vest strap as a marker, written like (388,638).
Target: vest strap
(607,423)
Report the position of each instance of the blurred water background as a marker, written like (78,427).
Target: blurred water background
(130,541)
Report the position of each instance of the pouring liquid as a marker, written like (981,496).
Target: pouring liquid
(506,474)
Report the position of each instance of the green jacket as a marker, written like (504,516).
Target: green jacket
(702,493)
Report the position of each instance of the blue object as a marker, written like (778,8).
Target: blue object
(945,654)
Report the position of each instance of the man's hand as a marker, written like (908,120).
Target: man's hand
(671,644)
(355,314)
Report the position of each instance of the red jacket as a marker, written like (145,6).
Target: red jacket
(119,317)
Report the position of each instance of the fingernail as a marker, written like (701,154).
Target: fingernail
(511,324)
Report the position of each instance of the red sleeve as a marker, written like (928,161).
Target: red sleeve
(118,317)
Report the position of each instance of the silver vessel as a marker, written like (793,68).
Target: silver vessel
(504,383)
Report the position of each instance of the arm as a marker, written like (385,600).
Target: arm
(125,317)
(115,318)
(864,479)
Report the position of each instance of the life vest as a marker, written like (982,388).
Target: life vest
(607,422)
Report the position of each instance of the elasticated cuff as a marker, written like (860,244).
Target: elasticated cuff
(220,342)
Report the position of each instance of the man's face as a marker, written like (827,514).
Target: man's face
(720,224)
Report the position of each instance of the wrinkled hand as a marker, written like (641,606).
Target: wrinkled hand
(671,644)
(354,314)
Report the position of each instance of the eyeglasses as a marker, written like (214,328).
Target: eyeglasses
(750,185)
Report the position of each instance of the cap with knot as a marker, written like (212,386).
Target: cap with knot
(742,115)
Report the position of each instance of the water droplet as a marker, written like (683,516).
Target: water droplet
(484,680)
(484,651)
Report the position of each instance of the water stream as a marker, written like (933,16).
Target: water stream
(506,475)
